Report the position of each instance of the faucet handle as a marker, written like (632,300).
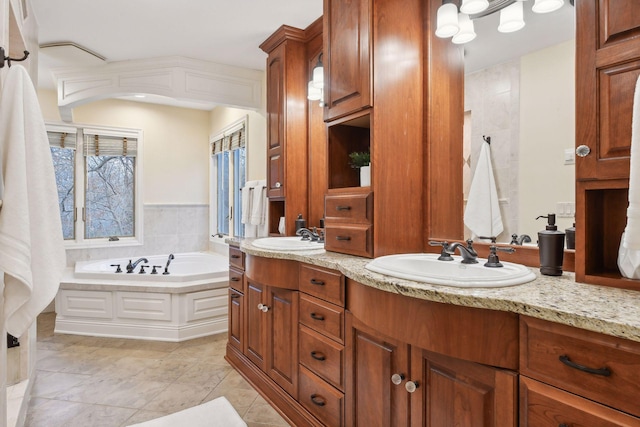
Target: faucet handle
(444,254)
(142,267)
(118,269)
(492,238)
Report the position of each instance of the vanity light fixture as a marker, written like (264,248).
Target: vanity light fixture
(315,88)
(459,24)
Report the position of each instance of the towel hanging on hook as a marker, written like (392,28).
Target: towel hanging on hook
(8,59)
(487,139)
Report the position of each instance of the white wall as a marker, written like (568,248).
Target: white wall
(547,128)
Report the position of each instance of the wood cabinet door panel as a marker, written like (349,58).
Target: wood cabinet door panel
(545,406)
(461,393)
(354,240)
(323,317)
(322,356)
(255,325)
(351,208)
(347,59)
(236,320)
(322,283)
(323,401)
(619,21)
(373,400)
(236,258)
(236,279)
(282,341)
(276,174)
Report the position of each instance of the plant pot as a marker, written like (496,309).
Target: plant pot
(365,176)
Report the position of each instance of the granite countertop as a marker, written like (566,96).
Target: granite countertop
(559,299)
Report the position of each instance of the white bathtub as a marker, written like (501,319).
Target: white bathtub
(186,267)
(190,302)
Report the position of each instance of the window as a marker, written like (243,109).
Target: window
(228,154)
(101,184)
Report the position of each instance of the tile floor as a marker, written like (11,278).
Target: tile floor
(109,382)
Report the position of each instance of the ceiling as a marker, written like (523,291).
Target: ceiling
(225,32)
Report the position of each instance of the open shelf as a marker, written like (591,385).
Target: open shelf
(346,136)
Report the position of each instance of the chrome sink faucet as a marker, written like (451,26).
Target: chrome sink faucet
(131,267)
(469,254)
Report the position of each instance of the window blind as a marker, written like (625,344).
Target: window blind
(102,145)
(230,140)
(62,140)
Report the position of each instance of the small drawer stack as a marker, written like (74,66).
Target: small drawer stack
(571,376)
(349,222)
(321,323)
(236,297)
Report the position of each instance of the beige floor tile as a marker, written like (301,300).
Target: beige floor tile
(114,392)
(142,416)
(51,384)
(167,370)
(262,412)
(240,399)
(177,397)
(205,373)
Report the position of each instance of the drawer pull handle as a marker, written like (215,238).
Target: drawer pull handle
(315,316)
(235,279)
(316,282)
(347,238)
(318,400)
(318,356)
(235,296)
(605,372)
(563,425)
(235,256)
(343,208)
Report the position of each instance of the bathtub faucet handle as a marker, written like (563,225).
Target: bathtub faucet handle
(118,269)
(142,267)
(154,271)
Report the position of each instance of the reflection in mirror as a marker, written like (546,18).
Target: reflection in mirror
(520,92)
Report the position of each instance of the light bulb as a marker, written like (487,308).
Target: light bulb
(471,7)
(511,18)
(318,77)
(467,32)
(313,93)
(546,6)
(447,18)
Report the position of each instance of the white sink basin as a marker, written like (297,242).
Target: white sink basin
(427,268)
(287,244)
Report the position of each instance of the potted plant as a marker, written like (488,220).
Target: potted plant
(362,160)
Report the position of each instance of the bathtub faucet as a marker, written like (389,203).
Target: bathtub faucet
(131,267)
(166,267)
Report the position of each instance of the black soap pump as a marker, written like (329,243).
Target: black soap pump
(300,223)
(551,247)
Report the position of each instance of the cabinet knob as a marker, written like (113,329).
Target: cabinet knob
(397,378)
(411,386)
(583,151)
(277,185)
(263,308)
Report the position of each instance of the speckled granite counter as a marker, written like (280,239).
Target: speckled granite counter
(560,299)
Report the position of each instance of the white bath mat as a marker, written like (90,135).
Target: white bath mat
(216,413)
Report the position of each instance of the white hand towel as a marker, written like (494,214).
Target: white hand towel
(32,254)
(482,214)
(629,252)
(246,201)
(258,203)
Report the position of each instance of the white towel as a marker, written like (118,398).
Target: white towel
(215,413)
(482,214)
(246,201)
(258,203)
(32,254)
(629,252)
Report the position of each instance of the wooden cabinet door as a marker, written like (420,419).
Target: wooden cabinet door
(236,320)
(275,121)
(256,325)
(282,338)
(372,399)
(347,59)
(455,392)
(607,67)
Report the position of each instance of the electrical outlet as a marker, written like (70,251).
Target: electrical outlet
(565,209)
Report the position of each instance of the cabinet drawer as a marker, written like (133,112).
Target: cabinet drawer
(236,257)
(351,208)
(322,283)
(323,401)
(236,279)
(322,356)
(543,405)
(599,367)
(323,317)
(354,240)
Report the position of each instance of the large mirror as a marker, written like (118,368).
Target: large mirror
(520,92)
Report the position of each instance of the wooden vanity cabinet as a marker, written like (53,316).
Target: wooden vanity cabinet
(589,376)
(236,332)
(396,378)
(607,68)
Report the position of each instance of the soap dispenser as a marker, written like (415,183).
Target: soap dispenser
(551,247)
(300,223)
(571,236)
